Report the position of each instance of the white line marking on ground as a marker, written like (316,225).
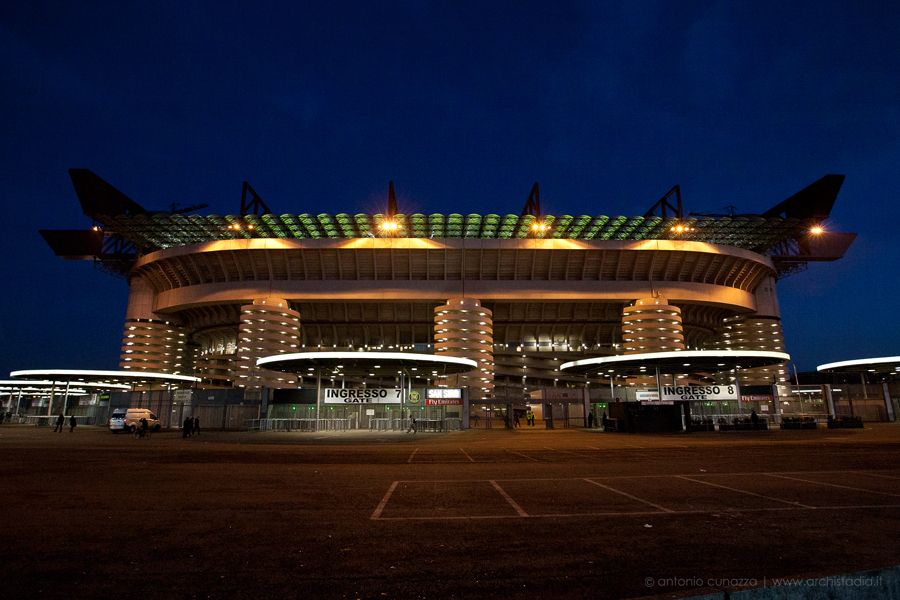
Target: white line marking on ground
(380,508)
(837,485)
(519,510)
(858,506)
(613,477)
(409,460)
(833,471)
(636,514)
(725,487)
(572,452)
(467,454)
(472,518)
(879,475)
(627,495)
(522,455)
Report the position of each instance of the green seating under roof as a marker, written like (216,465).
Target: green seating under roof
(158,231)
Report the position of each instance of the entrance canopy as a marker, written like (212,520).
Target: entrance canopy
(368,364)
(40,387)
(884,365)
(682,361)
(83,377)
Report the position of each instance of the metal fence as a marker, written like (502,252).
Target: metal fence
(349,424)
(297,424)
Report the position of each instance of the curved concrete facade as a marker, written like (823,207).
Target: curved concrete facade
(545,300)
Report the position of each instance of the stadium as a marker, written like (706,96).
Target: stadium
(520,294)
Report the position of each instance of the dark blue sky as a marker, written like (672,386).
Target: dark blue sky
(464,105)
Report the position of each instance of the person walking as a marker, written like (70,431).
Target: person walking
(529,418)
(590,420)
(186,427)
(196,429)
(60,422)
(72,423)
(413,425)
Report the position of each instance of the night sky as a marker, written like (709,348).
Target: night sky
(463,105)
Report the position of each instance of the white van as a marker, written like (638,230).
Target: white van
(129,419)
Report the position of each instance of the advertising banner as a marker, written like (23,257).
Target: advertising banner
(757,397)
(443,402)
(443,397)
(444,393)
(650,397)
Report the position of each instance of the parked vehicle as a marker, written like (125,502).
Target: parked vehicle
(129,419)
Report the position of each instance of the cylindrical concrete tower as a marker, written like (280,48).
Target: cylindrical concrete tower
(268,326)
(652,325)
(464,328)
(148,342)
(758,331)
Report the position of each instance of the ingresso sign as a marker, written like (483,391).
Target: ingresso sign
(700,392)
(361,396)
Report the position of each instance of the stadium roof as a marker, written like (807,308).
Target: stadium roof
(159,231)
(124,229)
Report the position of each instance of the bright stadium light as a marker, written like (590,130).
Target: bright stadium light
(817,230)
(539,227)
(681,228)
(389,226)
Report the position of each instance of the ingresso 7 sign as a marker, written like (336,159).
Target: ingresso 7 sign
(700,392)
(361,396)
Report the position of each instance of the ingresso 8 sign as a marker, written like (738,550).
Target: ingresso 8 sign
(700,392)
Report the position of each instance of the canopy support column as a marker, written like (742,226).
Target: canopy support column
(318,394)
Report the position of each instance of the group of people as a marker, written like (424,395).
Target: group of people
(191,426)
(61,423)
(590,420)
(529,419)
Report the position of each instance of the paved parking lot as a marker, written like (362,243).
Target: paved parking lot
(529,513)
(637,495)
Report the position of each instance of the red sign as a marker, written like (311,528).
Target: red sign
(757,398)
(443,401)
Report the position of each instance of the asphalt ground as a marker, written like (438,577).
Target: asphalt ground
(477,514)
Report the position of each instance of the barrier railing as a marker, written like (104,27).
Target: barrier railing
(348,424)
(297,424)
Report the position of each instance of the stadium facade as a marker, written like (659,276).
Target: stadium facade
(518,293)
